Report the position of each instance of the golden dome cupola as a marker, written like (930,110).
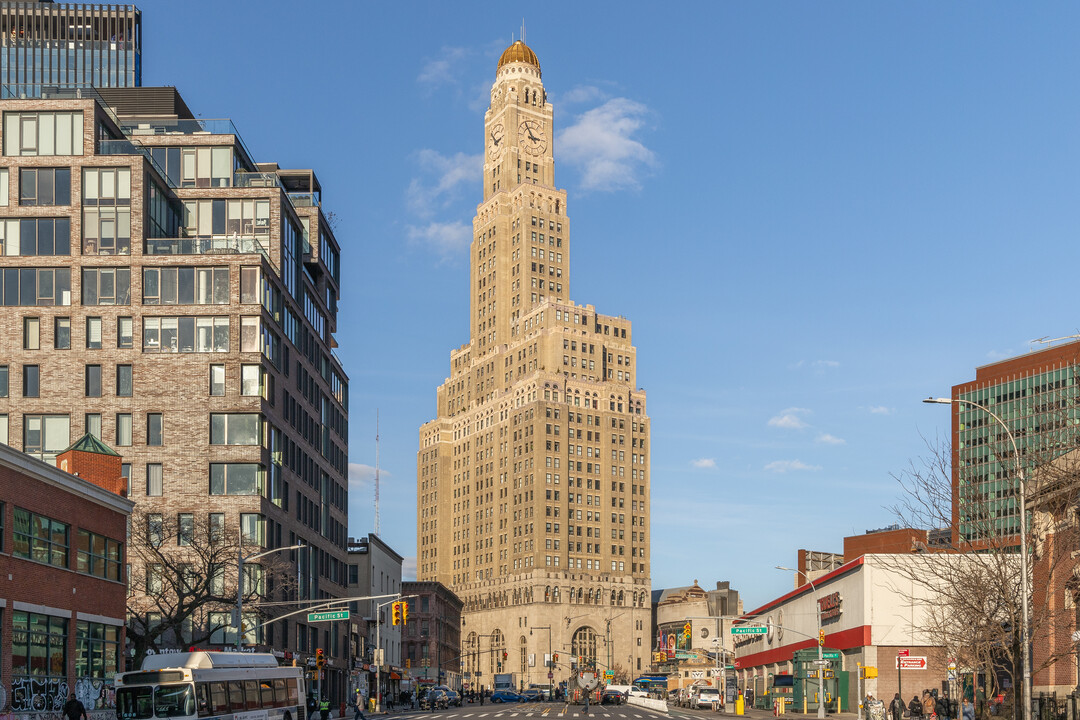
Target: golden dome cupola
(518,52)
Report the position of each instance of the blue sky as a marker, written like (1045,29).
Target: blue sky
(820,213)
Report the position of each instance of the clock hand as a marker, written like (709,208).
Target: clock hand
(531,136)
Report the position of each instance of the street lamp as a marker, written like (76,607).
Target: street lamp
(820,646)
(240,585)
(379,651)
(550,672)
(1025,581)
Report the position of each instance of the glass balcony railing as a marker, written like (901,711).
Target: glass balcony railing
(255,179)
(198,126)
(46,91)
(304,199)
(213,245)
(126,147)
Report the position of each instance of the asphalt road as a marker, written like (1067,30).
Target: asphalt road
(553,711)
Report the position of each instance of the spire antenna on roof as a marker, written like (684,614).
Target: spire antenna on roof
(523,30)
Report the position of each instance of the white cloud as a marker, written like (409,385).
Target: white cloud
(827,439)
(790,419)
(446,238)
(441,69)
(785,466)
(880,410)
(704,463)
(601,143)
(408,569)
(363,476)
(819,366)
(826,363)
(445,175)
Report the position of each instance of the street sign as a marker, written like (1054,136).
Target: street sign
(912,662)
(329,615)
(831,655)
(749,630)
(903,653)
(822,663)
(697,674)
(550,675)
(811,673)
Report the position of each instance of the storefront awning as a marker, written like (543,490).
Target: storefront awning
(394,676)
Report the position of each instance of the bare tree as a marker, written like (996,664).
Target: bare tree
(973,572)
(183,580)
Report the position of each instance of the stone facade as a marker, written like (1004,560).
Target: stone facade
(533,482)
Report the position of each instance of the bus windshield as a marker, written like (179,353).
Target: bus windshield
(163,701)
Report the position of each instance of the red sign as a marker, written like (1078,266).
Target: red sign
(903,653)
(910,663)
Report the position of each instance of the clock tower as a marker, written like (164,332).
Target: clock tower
(533,480)
(520,200)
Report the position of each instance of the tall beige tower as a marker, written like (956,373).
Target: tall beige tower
(533,481)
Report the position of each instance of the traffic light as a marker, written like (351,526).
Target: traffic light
(395,613)
(320,659)
(820,637)
(556,657)
(408,662)
(404,612)
(504,656)
(686,631)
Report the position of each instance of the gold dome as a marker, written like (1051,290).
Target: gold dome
(518,52)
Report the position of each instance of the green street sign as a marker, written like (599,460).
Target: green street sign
(330,615)
(831,655)
(749,630)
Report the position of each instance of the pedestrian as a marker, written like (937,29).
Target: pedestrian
(896,708)
(929,704)
(915,707)
(312,705)
(73,709)
(967,712)
(358,712)
(324,708)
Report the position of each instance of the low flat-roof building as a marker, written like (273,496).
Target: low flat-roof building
(63,594)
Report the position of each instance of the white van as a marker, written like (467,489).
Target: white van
(628,690)
(705,697)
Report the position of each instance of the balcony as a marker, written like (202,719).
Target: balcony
(213,245)
(126,147)
(243,179)
(172,126)
(304,199)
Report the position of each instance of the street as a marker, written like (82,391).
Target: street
(575,712)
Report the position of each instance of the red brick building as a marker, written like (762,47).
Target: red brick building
(62,579)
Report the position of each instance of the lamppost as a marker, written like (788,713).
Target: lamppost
(549,663)
(240,584)
(820,646)
(1025,581)
(379,651)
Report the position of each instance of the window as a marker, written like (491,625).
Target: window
(186,286)
(123,429)
(217,380)
(43,133)
(3,187)
(92,422)
(216,528)
(154,429)
(249,334)
(106,186)
(249,285)
(31,385)
(97,650)
(186,334)
(31,333)
(3,439)
(37,537)
(35,236)
(252,529)
(35,286)
(153,480)
(197,167)
(44,186)
(185,529)
(46,435)
(93,333)
(106,286)
(98,555)
(250,380)
(124,332)
(38,646)
(106,231)
(155,529)
(236,479)
(124,381)
(234,429)
(4,381)
(62,333)
(92,385)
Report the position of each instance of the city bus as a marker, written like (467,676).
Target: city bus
(212,685)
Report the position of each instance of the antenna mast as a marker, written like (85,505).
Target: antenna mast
(376,471)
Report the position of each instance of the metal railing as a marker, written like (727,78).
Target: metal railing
(213,245)
(197,126)
(126,147)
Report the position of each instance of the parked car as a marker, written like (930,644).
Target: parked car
(530,695)
(453,699)
(706,698)
(501,696)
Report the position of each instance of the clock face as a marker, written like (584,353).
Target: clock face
(531,137)
(495,148)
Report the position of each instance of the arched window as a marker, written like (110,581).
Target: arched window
(612,597)
(472,658)
(621,601)
(547,594)
(498,647)
(524,654)
(597,596)
(555,593)
(572,592)
(583,644)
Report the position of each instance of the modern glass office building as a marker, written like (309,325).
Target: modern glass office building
(48,44)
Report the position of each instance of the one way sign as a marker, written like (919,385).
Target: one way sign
(912,662)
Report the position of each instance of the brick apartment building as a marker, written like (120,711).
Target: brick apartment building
(164,293)
(62,579)
(431,639)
